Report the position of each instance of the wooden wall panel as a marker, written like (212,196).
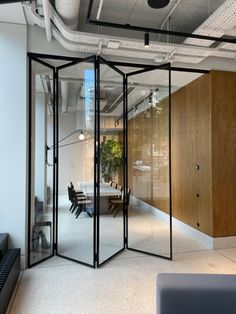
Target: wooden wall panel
(224,153)
(191,146)
(204,134)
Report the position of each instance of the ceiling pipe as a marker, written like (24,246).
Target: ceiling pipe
(47,19)
(99,10)
(168,16)
(69,12)
(88,43)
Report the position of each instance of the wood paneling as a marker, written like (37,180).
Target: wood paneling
(204,135)
(191,146)
(224,153)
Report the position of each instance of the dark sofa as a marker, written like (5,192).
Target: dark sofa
(9,271)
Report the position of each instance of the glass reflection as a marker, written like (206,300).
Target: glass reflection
(76,162)
(148,163)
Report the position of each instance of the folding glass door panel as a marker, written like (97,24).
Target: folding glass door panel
(111,153)
(41,178)
(149,175)
(75,152)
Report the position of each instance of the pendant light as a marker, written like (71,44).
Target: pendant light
(146,40)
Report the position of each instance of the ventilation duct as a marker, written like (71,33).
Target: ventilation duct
(88,43)
(69,12)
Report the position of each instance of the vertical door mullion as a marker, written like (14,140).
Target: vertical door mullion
(98,158)
(170,173)
(55,156)
(125,141)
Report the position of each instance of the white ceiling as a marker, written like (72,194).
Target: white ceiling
(12,13)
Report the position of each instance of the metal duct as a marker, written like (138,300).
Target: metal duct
(69,12)
(88,43)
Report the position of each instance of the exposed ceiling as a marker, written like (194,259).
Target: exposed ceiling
(187,16)
(205,17)
(210,18)
(12,13)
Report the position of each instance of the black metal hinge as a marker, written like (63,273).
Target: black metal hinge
(55,160)
(96,257)
(126,240)
(54,246)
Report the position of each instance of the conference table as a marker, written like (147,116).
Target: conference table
(106,191)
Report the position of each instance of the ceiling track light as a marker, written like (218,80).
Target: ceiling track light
(146,40)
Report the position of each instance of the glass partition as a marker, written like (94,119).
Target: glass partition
(111,190)
(99,160)
(42,162)
(76,142)
(149,214)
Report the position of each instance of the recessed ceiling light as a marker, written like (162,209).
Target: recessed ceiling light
(113,44)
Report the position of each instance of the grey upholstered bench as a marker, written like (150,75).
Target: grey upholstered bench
(196,294)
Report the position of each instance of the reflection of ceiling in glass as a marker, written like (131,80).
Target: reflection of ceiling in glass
(81,89)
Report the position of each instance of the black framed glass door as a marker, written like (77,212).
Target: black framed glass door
(76,161)
(111,154)
(41,161)
(99,160)
(149,221)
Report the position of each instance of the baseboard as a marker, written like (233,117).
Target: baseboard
(224,243)
(206,240)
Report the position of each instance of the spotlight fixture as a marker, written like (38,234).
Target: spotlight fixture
(81,136)
(150,100)
(146,40)
(158,4)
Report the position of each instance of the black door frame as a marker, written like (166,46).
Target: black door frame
(114,65)
(91,59)
(100,61)
(165,67)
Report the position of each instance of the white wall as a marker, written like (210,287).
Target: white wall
(13,53)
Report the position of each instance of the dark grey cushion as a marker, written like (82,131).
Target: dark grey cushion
(3,244)
(196,294)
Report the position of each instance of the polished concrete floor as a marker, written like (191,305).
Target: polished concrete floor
(127,284)
(146,232)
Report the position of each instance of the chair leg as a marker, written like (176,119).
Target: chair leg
(112,207)
(79,211)
(72,205)
(116,211)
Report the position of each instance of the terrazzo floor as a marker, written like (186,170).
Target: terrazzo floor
(124,285)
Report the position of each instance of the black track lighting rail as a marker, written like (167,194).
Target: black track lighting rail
(153,30)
